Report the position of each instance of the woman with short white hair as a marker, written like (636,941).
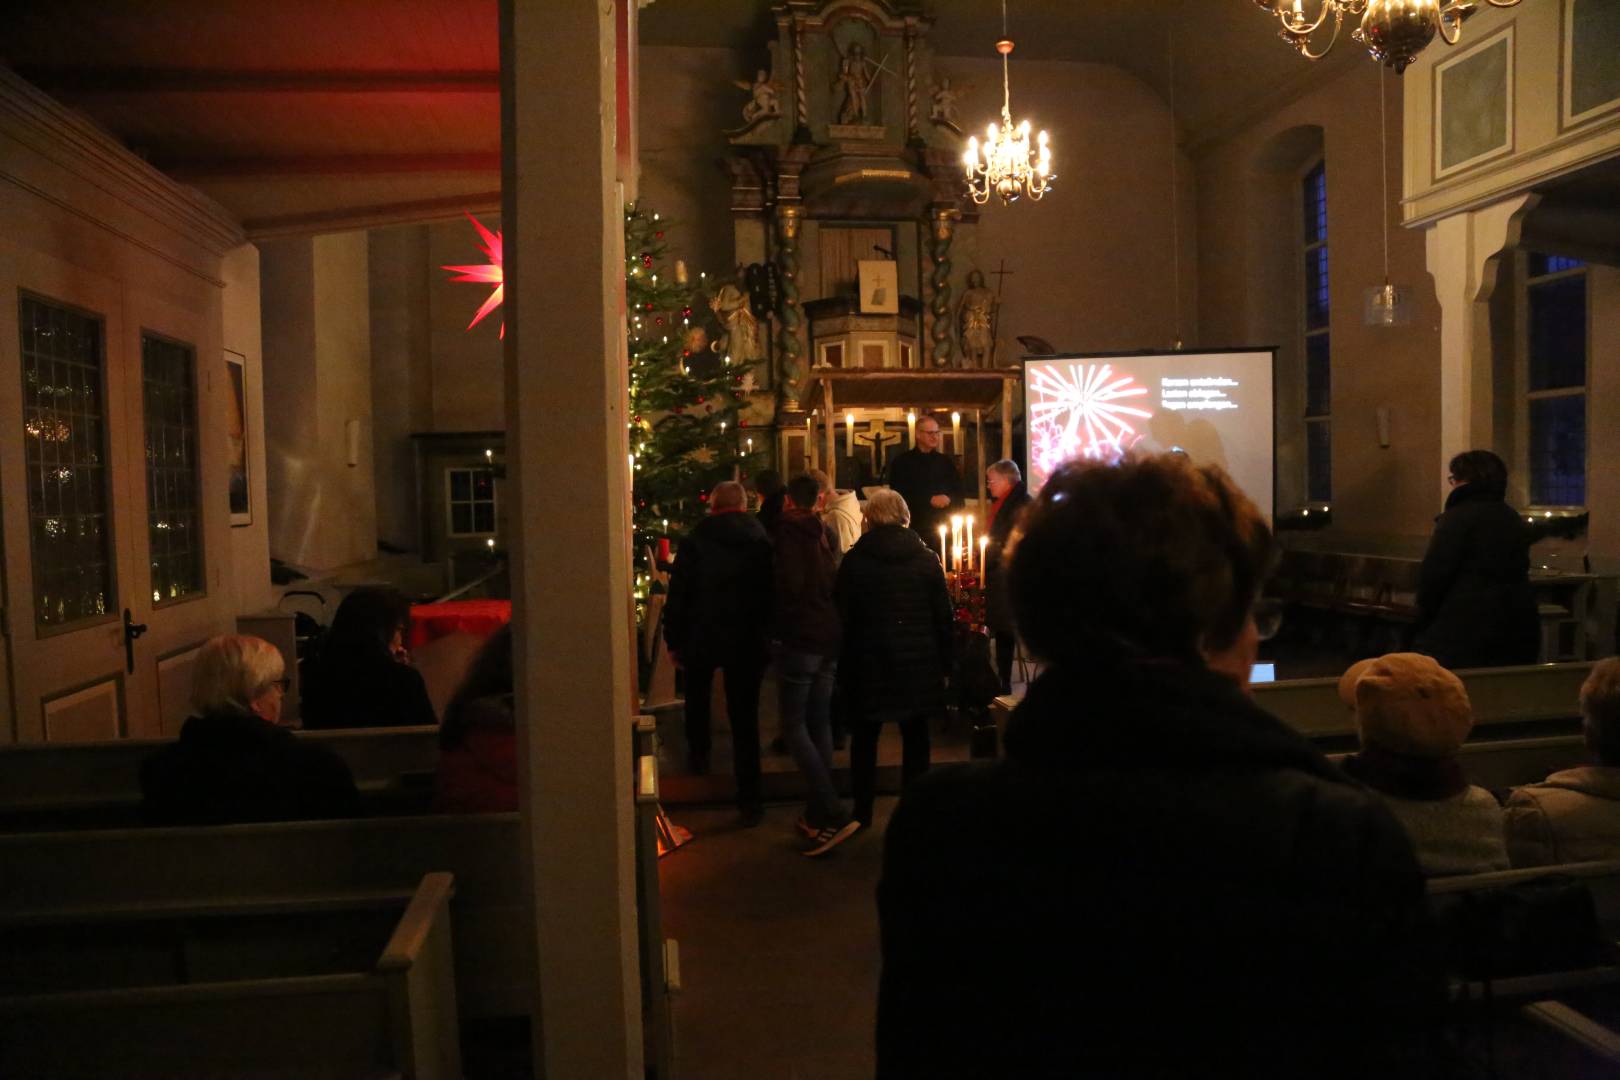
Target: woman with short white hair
(233,761)
(896,619)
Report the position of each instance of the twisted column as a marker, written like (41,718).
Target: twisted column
(911,83)
(790,349)
(801,98)
(940,249)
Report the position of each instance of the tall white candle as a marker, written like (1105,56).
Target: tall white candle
(983,540)
(944,559)
(911,429)
(970,541)
(849,434)
(956,433)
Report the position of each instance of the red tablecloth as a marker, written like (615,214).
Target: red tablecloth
(480,618)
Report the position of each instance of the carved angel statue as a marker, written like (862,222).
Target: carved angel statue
(976,322)
(730,306)
(766,97)
(943,108)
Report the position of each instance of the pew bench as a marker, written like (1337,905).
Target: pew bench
(198,865)
(47,787)
(341,985)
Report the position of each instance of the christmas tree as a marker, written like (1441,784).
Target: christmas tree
(687,394)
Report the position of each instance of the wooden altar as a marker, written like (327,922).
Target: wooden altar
(972,393)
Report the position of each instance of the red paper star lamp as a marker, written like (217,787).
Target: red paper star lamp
(484,274)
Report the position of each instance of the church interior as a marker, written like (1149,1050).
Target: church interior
(256,356)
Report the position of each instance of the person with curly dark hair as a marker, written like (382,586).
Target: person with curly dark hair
(1475,604)
(1155,853)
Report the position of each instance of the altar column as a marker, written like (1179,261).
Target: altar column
(566,405)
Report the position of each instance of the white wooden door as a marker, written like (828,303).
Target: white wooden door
(87,512)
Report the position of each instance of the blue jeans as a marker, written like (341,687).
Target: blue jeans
(806,708)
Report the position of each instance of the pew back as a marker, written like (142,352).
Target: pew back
(224,1005)
(204,864)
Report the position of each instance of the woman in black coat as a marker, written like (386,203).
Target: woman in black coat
(361,677)
(1006,486)
(1159,879)
(1475,604)
(896,648)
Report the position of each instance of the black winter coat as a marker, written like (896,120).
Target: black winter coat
(806,617)
(1160,879)
(897,625)
(230,766)
(719,605)
(997,605)
(1475,604)
(375,690)
(918,477)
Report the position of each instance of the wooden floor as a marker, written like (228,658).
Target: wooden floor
(779,953)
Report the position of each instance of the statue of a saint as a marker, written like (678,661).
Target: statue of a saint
(765,100)
(855,83)
(976,322)
(943,109)
(741,343)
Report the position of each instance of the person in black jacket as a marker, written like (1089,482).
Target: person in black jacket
(927,479)
(233,762)
(807,634)
(1006,486)
(718,617)
(896,618)
(361,675)
(1159,879)
(1475,604)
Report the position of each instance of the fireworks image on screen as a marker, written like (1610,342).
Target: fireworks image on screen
(1080,410)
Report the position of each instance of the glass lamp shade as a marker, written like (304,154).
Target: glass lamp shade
(1388,305)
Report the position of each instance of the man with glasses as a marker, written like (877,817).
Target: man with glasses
(927,480)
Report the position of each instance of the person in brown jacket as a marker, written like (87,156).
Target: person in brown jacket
(807,639)
(1574,814)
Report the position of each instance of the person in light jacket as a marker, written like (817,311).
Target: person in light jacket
(841,510)
(1574,814)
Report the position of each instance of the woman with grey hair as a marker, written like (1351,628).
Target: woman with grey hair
(234,762)
(896,620)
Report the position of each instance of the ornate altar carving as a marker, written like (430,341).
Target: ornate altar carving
(850,130)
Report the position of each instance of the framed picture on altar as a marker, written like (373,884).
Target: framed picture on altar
(880,286)
(240,491)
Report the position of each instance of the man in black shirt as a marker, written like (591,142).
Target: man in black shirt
(927,480)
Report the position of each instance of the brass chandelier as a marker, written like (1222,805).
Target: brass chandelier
(1393,31)
(1006,164)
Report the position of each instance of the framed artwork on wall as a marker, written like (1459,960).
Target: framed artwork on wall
(236,430)
(1473,105)
(1588,61)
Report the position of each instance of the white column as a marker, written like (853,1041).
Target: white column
(1459,250)
(566,407)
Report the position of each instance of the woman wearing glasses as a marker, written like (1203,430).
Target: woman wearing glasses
(234,762)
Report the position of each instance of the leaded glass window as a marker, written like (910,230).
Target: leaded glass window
(65,455)
(1318,361)
(173,520)
(1555,379)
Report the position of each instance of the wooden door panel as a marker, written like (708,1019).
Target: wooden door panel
(92,713)
(174,688)
(65,651)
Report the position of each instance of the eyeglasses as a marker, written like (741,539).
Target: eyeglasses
(928,431)
(1268,617)
(285,684)
(1453,481)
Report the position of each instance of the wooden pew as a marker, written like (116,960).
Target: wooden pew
(1496,764)
(46,786)
(343,985)
(494,956)
(1529,701)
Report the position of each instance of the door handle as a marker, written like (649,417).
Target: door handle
(132,630)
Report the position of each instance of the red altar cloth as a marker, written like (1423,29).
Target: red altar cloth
(480,618)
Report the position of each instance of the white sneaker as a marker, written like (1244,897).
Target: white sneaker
(830,837)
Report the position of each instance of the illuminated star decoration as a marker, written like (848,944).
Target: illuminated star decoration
(489,273)
(1081,410)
